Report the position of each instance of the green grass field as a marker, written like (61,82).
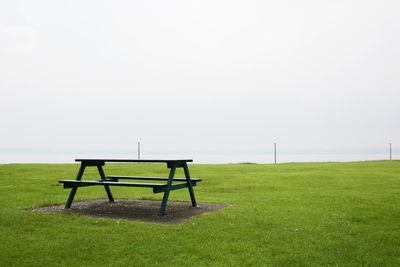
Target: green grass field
(320,214)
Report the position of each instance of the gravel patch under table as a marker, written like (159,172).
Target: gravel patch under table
(136,210)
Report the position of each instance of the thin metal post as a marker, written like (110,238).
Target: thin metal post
(390,148)
(275,151)
(138,150)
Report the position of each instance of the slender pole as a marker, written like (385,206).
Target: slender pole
(275,151)
(390,149)
(138,150)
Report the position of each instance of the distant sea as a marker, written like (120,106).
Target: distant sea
(200,158)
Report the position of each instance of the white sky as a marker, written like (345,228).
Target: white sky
(199,75)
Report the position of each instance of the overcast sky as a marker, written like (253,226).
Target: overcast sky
(199,75)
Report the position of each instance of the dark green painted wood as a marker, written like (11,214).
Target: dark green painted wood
(158,187)
(116,178)
(74,183)
(113,180)
(172,187)
(166,193)
(106,187)
(73,190)
(187,175)
(177,164)
(93,163)
(173,161)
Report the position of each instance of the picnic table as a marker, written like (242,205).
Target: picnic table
(108,181)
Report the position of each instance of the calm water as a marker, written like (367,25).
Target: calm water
(6,158)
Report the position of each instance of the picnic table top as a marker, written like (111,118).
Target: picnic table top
(136,160)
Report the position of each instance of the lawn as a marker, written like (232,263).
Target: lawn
(304,214)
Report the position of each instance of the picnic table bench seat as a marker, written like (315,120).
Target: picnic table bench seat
(157,188)
(114,180)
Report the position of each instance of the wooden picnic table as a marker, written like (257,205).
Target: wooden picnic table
(108,181)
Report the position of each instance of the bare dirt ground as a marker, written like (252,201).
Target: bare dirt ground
(136,210)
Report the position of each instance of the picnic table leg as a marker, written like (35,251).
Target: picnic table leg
(73,190)
(166,193)
(103,177)
(190,187)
